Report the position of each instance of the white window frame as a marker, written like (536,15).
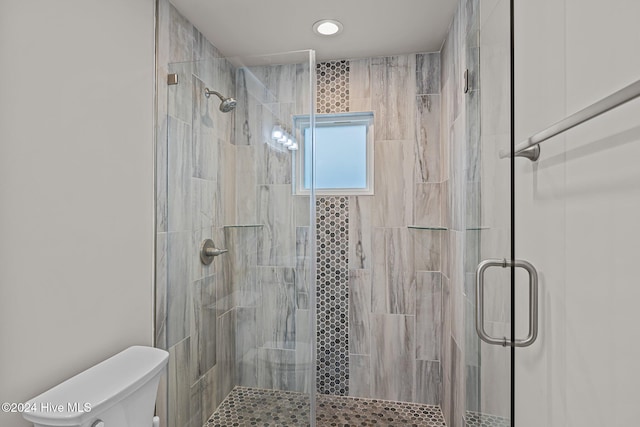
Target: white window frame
(300,123)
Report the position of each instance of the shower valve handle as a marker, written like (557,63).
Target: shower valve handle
(215,252)
(208,251)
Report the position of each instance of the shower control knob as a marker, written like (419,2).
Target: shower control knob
(208,252)
(98,423)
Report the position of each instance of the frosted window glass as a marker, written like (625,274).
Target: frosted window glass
(341,157)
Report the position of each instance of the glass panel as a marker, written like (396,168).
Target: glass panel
(488,210)
(239,330)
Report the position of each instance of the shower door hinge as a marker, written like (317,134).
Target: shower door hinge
(466,81)
(172,79)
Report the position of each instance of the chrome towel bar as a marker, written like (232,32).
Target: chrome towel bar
(527,148)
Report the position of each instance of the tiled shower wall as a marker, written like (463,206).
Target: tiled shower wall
(404,292)
(393,300)
(461,195)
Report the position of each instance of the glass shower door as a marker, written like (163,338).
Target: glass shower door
(488,235)
(236,315)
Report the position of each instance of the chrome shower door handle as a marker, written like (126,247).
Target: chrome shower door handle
(533,302)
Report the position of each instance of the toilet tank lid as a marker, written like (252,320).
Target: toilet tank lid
(99,386)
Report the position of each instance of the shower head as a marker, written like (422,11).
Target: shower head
(226,105)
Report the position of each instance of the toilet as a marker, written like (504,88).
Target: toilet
(119,392)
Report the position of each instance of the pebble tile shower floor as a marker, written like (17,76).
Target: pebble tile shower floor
(257,407)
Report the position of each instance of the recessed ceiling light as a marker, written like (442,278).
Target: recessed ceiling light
(327,27)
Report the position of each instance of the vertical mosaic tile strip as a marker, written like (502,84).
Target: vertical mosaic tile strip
(332,225)
(257,407)
(333,87)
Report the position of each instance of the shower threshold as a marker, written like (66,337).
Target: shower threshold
(246,406)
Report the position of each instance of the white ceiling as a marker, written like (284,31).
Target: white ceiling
(371,27)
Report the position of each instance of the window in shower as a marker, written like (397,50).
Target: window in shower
(343,154)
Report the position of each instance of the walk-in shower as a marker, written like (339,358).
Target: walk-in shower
(330,306)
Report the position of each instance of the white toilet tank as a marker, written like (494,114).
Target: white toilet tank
(119,392)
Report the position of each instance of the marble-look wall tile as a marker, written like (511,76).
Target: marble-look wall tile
(204,325)
(276,369)
(276,309)
(473,141)
(194,418)
(472,388)
(360,85)
(394,177)
(428,382)
(360,226)
(246,347)
(277,81)
(242,257)
(392,356)
(302,210)
(360,378)
(446,331)
(178,287)
(205,153)
(208,396)
(445,126)
(161,290)
(472,341)
(246,184)
(359,311)
(275,212)
(204,110)
(445,189)
(303,87)
(304,368)
(303,267)
(179,183)
(457,181)
(226,353)
(179,97)
(245,109)
(428,139)
(393,81)
(226,188)
(179,384)
(394,284)
(427,246)
(458,375)
(495,108)
(202,48)
(203,203)
(162,140)
(181,39)
(428,315)
(456,287)
(275,162)
(162,400)
(427,208)
(428,73)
